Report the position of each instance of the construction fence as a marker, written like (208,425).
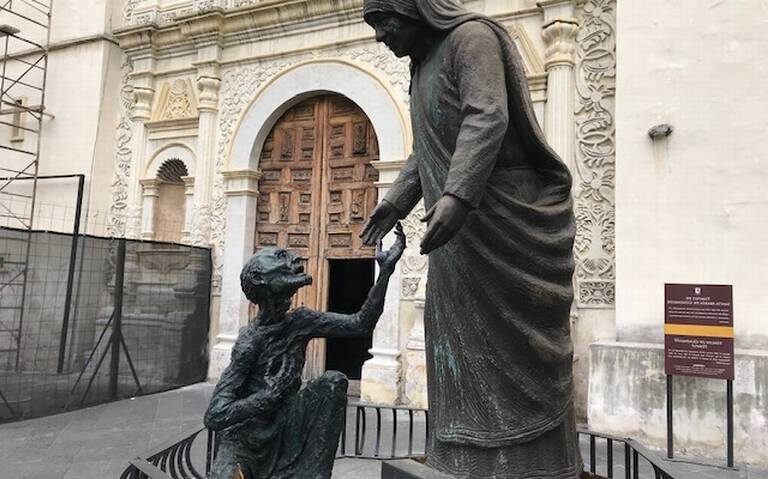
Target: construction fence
(96,319)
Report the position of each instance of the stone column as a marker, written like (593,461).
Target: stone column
(149,195)
(189,207)
(381,375)
(241,190)
(416,360)
(142,110)
(205,32)
(137,44)
(206,158)
(559,32)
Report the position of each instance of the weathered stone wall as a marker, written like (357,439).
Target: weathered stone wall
(628,398)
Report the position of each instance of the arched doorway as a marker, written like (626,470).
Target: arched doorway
(170,211)
(316,191)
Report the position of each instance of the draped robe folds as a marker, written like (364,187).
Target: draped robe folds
(498,345)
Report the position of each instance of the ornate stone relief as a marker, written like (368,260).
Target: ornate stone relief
(239,86)
(413,264)
(396,70)
(177,101)
(128,8)
(596,154)
(118,210)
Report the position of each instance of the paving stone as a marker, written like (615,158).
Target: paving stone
(99,441)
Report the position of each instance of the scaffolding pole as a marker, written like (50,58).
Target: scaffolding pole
(24,39)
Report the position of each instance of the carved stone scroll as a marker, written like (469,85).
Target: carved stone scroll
(595,154)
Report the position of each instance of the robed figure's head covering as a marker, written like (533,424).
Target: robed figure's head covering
(438,14)
(445,15)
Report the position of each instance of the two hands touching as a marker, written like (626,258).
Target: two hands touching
(444,220)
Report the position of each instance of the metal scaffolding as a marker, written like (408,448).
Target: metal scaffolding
(25,34)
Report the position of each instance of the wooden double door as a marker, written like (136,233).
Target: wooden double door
(316,191)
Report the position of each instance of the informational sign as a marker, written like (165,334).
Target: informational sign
(698,330)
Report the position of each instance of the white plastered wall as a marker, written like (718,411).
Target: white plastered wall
(78,135)
(691,208)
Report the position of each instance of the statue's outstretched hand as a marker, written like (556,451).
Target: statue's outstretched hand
(444,220)
(388,259)
(382,220)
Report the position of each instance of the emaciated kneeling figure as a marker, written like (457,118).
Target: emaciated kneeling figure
(270,427)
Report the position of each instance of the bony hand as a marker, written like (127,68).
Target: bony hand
(381,221)
(445,219)
(388,259)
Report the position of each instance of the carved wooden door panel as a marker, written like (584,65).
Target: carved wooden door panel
(317,190)
(289,190)
(351,194)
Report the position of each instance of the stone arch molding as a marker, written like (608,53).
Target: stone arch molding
(313,78)
(375,95)
(174,151)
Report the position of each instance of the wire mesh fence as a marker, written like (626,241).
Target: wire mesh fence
(126,317)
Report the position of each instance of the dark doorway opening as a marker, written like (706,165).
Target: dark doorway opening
(349,283)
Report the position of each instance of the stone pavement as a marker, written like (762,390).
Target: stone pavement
(97,442)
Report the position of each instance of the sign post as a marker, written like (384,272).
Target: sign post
(699,342)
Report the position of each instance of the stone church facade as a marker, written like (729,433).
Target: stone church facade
(258,122)
(206,82)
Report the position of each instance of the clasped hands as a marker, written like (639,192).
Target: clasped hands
(444,220)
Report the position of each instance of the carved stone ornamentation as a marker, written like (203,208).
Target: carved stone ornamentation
(117,212)
(177,101)
(128,8)
(209,92)
(142,108)
(396,70)
(595,154)
(205,5)
(560,47)
(238,87)
(201,221)
(410,287)
(414,264)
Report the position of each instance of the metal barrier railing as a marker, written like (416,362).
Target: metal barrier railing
(416,432)
(175,460)
(404,437)
(634,456)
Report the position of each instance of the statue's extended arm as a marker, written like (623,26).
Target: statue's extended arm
(480,79)
(362,322)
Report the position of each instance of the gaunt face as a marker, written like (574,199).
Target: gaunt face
(273,273)
(399,33)
(286,271)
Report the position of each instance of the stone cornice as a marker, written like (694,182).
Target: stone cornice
(202,25)
(135,37)
(248,20)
